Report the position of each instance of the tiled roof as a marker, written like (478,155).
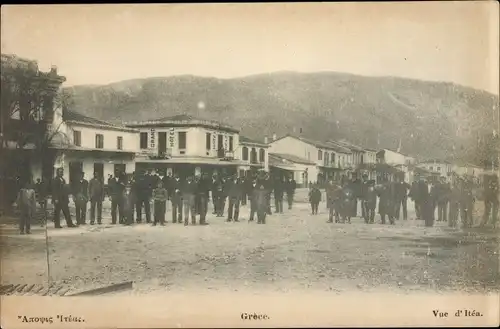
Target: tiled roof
(80,118)
(350,146)
(339,148)
(244,139)
(291,158)
(183,119)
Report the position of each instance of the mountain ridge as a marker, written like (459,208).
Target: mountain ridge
(433,119)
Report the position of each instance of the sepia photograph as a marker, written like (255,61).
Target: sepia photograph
(250,165)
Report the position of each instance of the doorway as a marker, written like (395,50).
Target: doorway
(162,143)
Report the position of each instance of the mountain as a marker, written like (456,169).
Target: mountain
(432,119)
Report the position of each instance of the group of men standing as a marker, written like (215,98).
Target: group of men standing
(450,200)
(189,197)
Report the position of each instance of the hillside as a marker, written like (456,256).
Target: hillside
(431,118)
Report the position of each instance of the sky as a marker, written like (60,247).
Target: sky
(100,44)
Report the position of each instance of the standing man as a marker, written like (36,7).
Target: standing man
(356,186)
(467,203)
(175,194)
(258,199)
(203,195)
(386,202)
(189,189)
(116,189)
(80,198)
(143,197)
(490,193)
(414,195)
(278,195)
(426,203)
(291,186)
(96,195)
(401,194)
(370,202)
(443,198)
(332,196)
(455,195)
(218,195)
(60,199)
(160,196)
(234,190)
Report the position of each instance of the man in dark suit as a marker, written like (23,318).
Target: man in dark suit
(278,195)
(81,197)
(269,188)
(60,199)
(175,195)
(96,196)
(203,194)
(401,195)
(234,190)
(218,190)
(143,197)
(116,188)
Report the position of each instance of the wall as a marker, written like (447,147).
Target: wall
(195,140)
(88,138)
(442,168)
(239,154)
(293,146)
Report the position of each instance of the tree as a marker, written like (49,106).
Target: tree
(26,121)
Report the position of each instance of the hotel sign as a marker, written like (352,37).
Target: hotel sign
(152,142)
(171,138)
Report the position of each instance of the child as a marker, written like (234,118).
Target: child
(160,196)
(26,202)
(314,198)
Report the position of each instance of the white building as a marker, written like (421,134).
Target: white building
(291,166)
(440,167)
(188,145)
(330,159)
(89,145)
(391,157)
(253,153)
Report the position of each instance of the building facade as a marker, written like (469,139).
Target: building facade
(187,145)
(439,167)
(253,153)
(89,145)
(290,166)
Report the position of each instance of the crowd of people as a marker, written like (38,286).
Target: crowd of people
(451,200)
(189,198)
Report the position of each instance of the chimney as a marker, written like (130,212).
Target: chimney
(274,137)
(300,131)
(53,69)
(266,140)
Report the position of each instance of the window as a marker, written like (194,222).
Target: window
(438,168)
(262,155)
(327,158)
(431,168)
(77,138)
(182,140)
(244,153)
(332,158)
(99,141)
(320,155)
(119,142)
(230,143)
(144,141)
(208,141)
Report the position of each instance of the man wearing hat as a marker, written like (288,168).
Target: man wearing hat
(490,193)
(369,202)
(175,195)
(234,190)
(60,199)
